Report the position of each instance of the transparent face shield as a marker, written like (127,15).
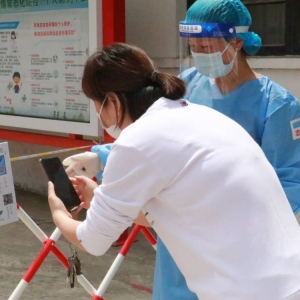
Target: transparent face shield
(208,48)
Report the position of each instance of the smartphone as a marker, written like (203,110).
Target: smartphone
(63,186)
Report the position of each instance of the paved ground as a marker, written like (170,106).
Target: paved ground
(19,247)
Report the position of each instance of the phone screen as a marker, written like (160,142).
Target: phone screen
(62,184)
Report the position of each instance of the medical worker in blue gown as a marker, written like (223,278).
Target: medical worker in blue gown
(216,37)
(219,41)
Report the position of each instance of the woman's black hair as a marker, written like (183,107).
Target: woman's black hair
(127,71)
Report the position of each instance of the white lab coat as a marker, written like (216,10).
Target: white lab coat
(210,194)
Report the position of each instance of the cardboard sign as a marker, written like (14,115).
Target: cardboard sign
(8,203)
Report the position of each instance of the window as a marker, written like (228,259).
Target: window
(189,3)
(277,22)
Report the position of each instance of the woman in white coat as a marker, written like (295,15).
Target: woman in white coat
(204,184)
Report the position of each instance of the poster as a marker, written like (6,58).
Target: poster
(44,45)
(8,204)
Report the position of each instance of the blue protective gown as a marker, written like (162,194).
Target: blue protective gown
(271,115)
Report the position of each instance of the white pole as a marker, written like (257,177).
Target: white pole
(110,275)
(86,285)
(31,225)
(21,287)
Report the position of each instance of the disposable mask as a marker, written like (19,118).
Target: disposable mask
(211,64)
(113,130)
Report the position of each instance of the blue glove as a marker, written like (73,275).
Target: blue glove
(103,152)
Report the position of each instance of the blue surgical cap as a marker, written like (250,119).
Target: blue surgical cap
(225,12)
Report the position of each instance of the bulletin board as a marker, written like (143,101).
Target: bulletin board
(44,45)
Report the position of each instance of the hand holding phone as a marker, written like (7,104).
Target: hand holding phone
(63,187)
(85,189)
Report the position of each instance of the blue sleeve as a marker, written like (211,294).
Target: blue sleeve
(281,144)
(103,152)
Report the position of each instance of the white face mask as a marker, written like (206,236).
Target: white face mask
(113,130)
(211,64)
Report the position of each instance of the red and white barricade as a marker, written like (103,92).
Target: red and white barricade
(50,246)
